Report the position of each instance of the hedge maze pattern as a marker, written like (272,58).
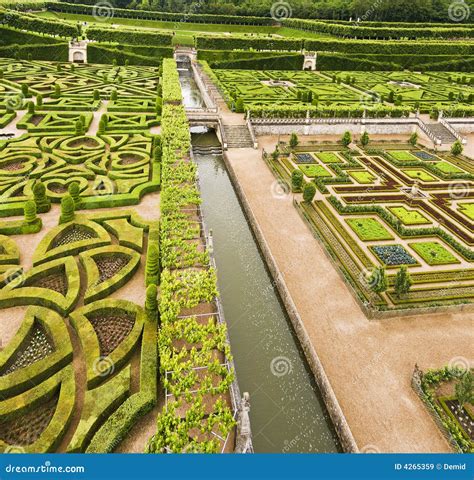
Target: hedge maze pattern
(428,91)
(80,285)
(392,215)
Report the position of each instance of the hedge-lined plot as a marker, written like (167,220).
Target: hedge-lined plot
(379,210)
(276,92)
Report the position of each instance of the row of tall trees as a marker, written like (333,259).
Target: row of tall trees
(368,10)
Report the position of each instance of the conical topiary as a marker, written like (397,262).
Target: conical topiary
(153,264)
(30,212)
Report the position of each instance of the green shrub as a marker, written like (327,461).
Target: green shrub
(151,298)
(153,264)
(457,148)
(309,192)
(30,212)
(74,191)
(346,139)
(67,209)
(297,179)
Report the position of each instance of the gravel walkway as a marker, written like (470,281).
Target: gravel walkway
(369,363)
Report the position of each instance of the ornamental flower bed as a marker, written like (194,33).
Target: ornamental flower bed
(394,255)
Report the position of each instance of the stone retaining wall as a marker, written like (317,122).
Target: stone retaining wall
(336,129)
(337,416)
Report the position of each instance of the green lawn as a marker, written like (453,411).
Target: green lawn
(448,168)
(409,217)
(418,174)
(329,157)
(402,155)
(369,229)
(362,177)
(434,253)
(468,210)
(313,171)
(186,31)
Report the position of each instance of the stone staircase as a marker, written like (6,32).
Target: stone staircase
(238,136)
(441,132)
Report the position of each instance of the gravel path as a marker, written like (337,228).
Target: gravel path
(369,363)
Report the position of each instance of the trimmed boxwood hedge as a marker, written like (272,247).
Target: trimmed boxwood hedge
(82,8)
(244,43)
(33,23)
(97,53)
(391,48)
(387,31)
(90,342)
(9,36)
(20,293)
(97,290)
(51,437)
(21,379)
(99,404)
(45,252)
(129,36)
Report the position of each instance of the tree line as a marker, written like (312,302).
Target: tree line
(457,11)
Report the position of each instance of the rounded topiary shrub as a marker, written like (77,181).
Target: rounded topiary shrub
(30,212)
(74,191)
(153,264)
(151,298)
(42,201)
(68,208)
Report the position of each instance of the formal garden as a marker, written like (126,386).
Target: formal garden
(448,395)
(112,336)
(84,246)
(344,93)
(395,219)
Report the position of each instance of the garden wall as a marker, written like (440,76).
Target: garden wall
(336,129)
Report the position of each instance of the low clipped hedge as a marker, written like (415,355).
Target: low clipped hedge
(45,252)
(53,434)
(33,23)
(117,426)
(246,43)
(90,343)
(349,111)
(129,37)
(99,404)
(19,227)
(103,54)
(391,48)
(268,62)
(384,62)
(82,8)
(22,293)
(19,380)
(97,290)
(127,234)
(387,31)
(56,52)
(9,36)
